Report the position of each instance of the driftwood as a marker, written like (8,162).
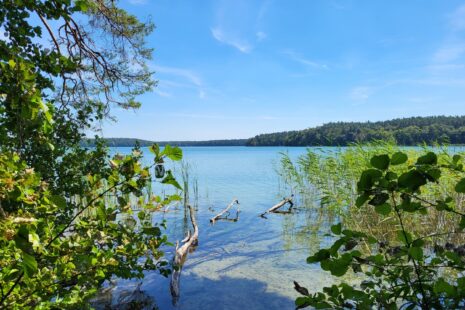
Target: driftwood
(218,216)
(276,207)
(180,256)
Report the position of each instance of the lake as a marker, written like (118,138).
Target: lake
(248,264)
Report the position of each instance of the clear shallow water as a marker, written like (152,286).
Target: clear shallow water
(248,264)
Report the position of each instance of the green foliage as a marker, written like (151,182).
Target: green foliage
(404,131)
(72,218)
(417,270)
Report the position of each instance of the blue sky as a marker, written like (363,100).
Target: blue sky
(237,68)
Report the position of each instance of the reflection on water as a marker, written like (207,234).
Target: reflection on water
(245,264)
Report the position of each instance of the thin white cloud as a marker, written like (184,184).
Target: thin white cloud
(360,93)
(449,53)
(220,35)
(191,80)
(307,62)
(184,73)
(162,93)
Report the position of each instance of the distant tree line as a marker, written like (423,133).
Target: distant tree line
(404,131)
(130,142)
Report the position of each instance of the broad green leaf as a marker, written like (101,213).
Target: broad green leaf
(429,159)
(173,153)
(412,180)
(368,179)
(380,161)
(383,209)
(416,253)
(398,158)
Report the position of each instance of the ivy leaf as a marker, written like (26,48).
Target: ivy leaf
(398,158)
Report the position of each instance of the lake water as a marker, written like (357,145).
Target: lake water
(248,264)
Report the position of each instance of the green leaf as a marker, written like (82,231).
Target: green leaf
(383,209)
(155,149)
(412,180)
(29,264)
(336,229)
(59,201)
(429,159)
(361,199)
(318,256)
(442,286)
(173,153)
(460,187)
(398,158)
(368,179)
(404,237)
(169,179)
(380,161)
(416,253)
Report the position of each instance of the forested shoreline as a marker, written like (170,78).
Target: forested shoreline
(130,142)
(403,131)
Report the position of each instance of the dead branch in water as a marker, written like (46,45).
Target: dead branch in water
(180,256)
(218,216)
(276,207)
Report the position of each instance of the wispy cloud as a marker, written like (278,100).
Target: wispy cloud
(221,36)
(453,47)
(240,23)
(361,93)
(184,73)
(190,77)
(449,53)
(301,59)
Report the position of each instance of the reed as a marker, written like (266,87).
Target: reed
(327,178)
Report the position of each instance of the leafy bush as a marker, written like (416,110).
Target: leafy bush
(56,252)
(415,270)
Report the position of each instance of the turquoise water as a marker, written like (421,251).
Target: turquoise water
(248,264)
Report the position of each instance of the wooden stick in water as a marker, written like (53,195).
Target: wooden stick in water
(277,206)
(180,256)
(213,219)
